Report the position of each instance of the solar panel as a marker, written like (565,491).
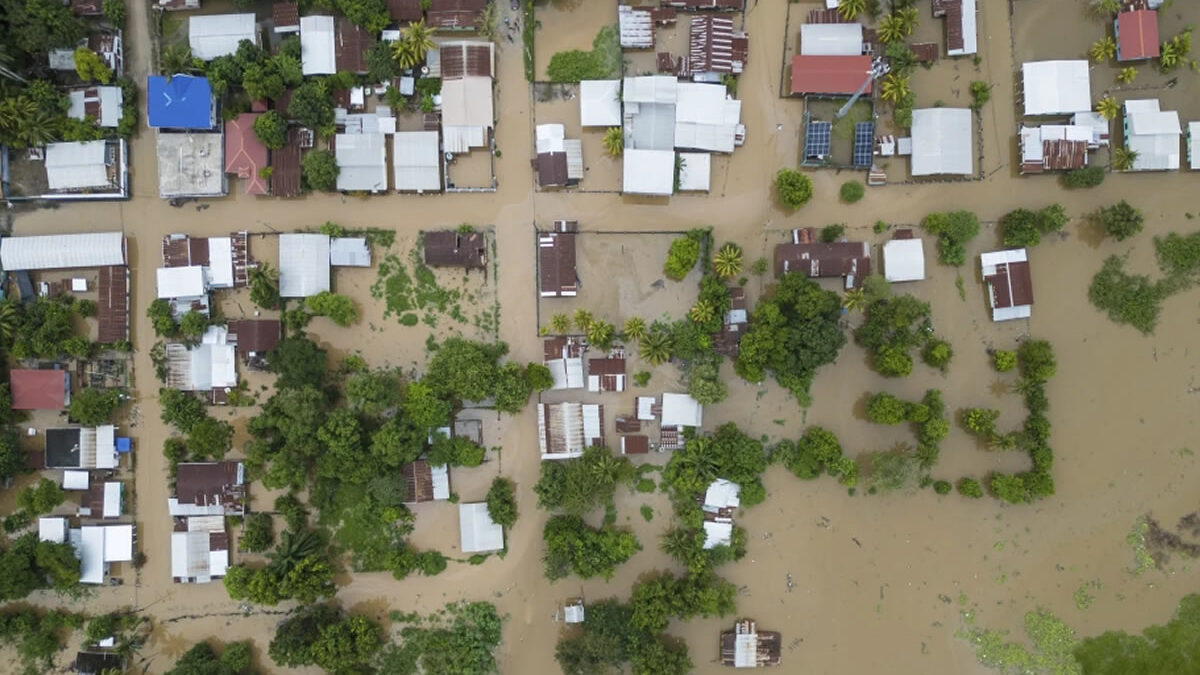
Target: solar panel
(864,143)
(817,139)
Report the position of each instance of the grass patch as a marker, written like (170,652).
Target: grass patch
(1143,560)
(407,294)
(602,62)
(1053,643)
(859,112)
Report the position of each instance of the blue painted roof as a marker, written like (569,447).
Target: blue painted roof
(184,102)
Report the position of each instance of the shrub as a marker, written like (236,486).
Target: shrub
(1127,298)
(980,421)
(981,93)
(502,502)
(1009,488)
(954,230)
(941,487)
(641,378)
(1088,176)
(937,353)
(602,62)
(258,533)
(339,308)
(93,407)
(1004,360)
(852,191)
(115,11)
(683,256)
(1037,360)
(319,170)
(794,188)
(969,487)
(831,233)
(1120,221)
(884,408)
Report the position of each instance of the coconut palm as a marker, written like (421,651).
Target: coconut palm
(294,547)
(727,262)
(909,19)
(635,328)
(414,42)
(14,110)
(600,333)
(1127,75)
(8,319)
(614,141)
(855,299)
(177,59)
(583,318)
(485,23)
(1124,158)
(850,9)
(891,29)
(1103,49)
(678,543)
(561,323)
(894,88)
(1169,56)
(37,129)
(1108,107)
(655,348)
(702,312)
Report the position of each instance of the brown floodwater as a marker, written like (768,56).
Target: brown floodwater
(876,579)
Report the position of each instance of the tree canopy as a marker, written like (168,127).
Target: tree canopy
(954,230)
(583,483)
(793,187)
(574,547)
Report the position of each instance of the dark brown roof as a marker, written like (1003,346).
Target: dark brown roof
(1012,285)
(286,14)
(819,260)
(418,481)
(952,11)
(87,7)
(635,445)
(285,167)
(553,348)
(556,263)
(454,13)
(449,248)
(112,305)
(282,103)
(704,4)
(737,297)
(255,335)
(210,483)
(606,366)
(466,59)
(628,424)
(184,251)
(715,47)
(351,47)
(825,15)
(38,389)
(405,10)
(926,52)
(770,647)
(551,168)
(663,15)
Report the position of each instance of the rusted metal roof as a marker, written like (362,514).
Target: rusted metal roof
(1012,284)
(418,481)
(556,260)
(562,347)
(466,59)
(821,260)
(551,169)
(450,248)
(254,335)
(351,45)
(454,14)
(112,305)
(286,15)
(727,5)
(926,52)
(826,16)
(405,10)
(627,424)
(210,483)
(952,11)
(285,167)
(635,445)
(87,7)
(715,47)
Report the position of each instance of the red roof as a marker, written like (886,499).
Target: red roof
(244,153)
(1137,35)
(829,74)
(39,389)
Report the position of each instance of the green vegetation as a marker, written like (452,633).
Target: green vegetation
(44,328)
(1004,360)
(1135,299)
(793,187)
(852,191)
(236,658)
(937,353)
(324,636)
(411,292)
(1175,52)
(832,233)
(1023,227)
(942,487)
(93,407)
(416,39)
(37,636)
(969,487)
(41,498)
(574,547)
(264,287)
(1143,559)
(954,230)
(683,256)
(502,502)
(579,485)
(1052,641)
(30,565)
(1120,221)
(458,640)
(609,639)
(602,62)
(1170,648)
(727,262)
(928,417)
(1088,176)
(258,533)
(271,129)
(981,93)
(319,171)
(1038,364)
(529,25)
(891,328)
(339,308)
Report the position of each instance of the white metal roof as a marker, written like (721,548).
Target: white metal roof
(717,534)
(722,494)
(904,260)
(695,174)
(969,30)
(181,282)
(467,102)
(219,272)
(681,410)
(566,429)
(549,138)
(705,118)
(645,408)
(112,500)
(62,251)
(1194,145)
(648,172)
(1032,149)
(991,259)
(303,264)
(109,98)
(362,162)
(636,27)
(567,373)
(477,532)
(651,89)
(192,556)
(415,161)
(1154,136)
(76,165)
(745,650)
(91,555)
(213,35)
(942,142)
(1140,105)
(52,529)
(1056,87)
(440,476)
(831,39)
(600,103)
(118,543)
(75,480)
(349,252)
(317,56)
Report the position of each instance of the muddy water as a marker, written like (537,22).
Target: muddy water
(869,571)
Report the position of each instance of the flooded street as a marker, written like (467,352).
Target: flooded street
(877,578)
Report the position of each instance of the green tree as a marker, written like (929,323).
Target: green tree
(850,9)
(969,487)
(271,129)
(604,644)
(1127,298)
(312,106)
(793,187)
(258,533)
(894,88)
(1120,221)
(581,484)
(891,29)
(1037,360)
(460,638)
(937,353)
(90,67)
(209,438)
(614,141)
(682,257)
(657,657)
(339,308)
(1108,107)
(115,12)
(374,392)
(264,284)
(1158,649)
(1004,361)
(423,406)
(502,502)
(884,408)
(181,409)
(93,407)
(1124,158)
(655,348)
(852,191)
(41,498)
(601,334)
(319,170)
(415,40)
(299,362)
(954,230)
(310,579)
(727,262)
(573,547)
(455,451)
(560,323)
(462,370)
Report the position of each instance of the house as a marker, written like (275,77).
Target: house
(76,480)
(103,104)
(942,142)
(830,75)
(607,374)
(1153,134)
(183,102)
(904,259)
(255,338)
(112,304)
(191,165)
(362,162)
(199,549)
(86,166)
(1054,147)
(564,359)
(223,260)
(478,533)
(454,14)
(349,252)
(747,647)
(1056,87)
(691,5)
(213,35)
(208,489)
(565,430)
(451,248)
(1193,154)
(181,282)
(62,251)
(245,155)
(733,324)
(1137,35)
(467,69)
(81,448)
(720,501)
(405,11)
(649,115)
(820,260)
(636,27)
(101,500)
(101,545)
(350,49)
(317,45)
(556,259)
(98,663)
(1009,283)
(707,118)
(831,39)
(695,171)
(961,29)
(600,103)
(559,160)
(648,172)
(635,444)
(715,48)
(424,482)
(681,410)
(286,17)
(52,530)
(303,264)
(209,367)
(416,161)
(39,389)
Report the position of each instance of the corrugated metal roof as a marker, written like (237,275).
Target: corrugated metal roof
(317,38)
(77,165)
(303,264)
(349,252)
(831,39)
(416,161)
(62,251)
(362,162)
(648,172)
(213,35)
(477,532)
(942,142)
(181,282)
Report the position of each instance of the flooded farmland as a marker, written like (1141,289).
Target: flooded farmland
(876,578)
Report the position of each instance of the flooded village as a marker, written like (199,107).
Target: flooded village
(845,294)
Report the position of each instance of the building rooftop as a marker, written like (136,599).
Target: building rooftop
(556,260)
(681,410)
(208,489)
(80,165)
(1054,147)
(715,47)
(199,549)
(362,162)
(1137,35)
(961,27)
(405,11)
(285,167)
(416,161)
(62,251)
(303,264)
(1153,134)
(600,103)
(747,647)
(350,49)
(450,248)
(286,17)
(478,533)
(245,155)
(648,172)
(904,260)
(566,429)
(831,39)
(255,336)
(830,74)
(1056,87)
(183,102)
(425,482)
(1009,282)
(454,14)
(191,165)
(39,389)
(213,35)
(942,142)
(102,104)
(317,45)
(814,259)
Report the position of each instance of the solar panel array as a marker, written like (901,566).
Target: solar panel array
(864,143)
(817,139)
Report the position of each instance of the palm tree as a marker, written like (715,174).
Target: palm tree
(655,348)
(1123,159)
(8,319)
(909,19)
(895,88)
(485,23)
(1103,49)
(561,323)
(1168,57)
(294,547)
(635,328)
(702,312)
(414,42)
(38,129)
(583,318)
(1108,107)
(13,110)
(1127,75)
(614,141)
(891,29)
(727,263)
(855,299)
(850,9)
(600,333)
(678,543)
(177,59)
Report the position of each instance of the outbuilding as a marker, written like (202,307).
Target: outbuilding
(303,264)
(942,142)
(478,533)
(904,260)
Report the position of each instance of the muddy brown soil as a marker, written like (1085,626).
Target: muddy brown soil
(870,573)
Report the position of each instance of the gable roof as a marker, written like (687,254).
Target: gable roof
(1010,284)
(467,58)
(39,389)
(556,262)
(831,39)
(416,164)
(303,264)
(478,533)
(245,154)
(317,51)
(185,102)
(77,165)
(255,335)
(362,162)
(208,488)
(600,103)
(286,168)
(453,248)
(454,13)
(286,16)
(350,50)
(1137,35)
(1056,87)
(102,104)
(941,142)
(62,251)
(213,35)
(829,74)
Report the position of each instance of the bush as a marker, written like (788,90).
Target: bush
(502,502)
(981,93)
(852,191)
(1004,360)
(271,129)
(1088,176)
(573,546)
(884,408)
(319,170)
(954,230)
(1127,298)
(1037,360)
(601,63)
(794,188)
(258,533)
(93,407)
(1009,488)
(969,487)
(831,233)
(683,256)
(980,421)
(339,308)
(941,487)
(115,12)
(1120,221)
(937,353)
